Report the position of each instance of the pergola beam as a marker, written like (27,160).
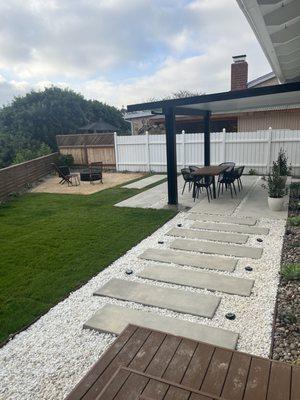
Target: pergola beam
(189,111)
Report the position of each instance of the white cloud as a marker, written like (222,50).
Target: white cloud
(97,46)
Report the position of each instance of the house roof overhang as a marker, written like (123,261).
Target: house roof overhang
(234,101)
(276,24)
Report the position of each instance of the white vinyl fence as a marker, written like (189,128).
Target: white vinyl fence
(255,150)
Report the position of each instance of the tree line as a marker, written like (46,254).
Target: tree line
(29,124)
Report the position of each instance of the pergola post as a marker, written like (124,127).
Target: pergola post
(171,155)
(206,121)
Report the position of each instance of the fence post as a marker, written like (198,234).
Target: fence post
(224,144)
(116,150)
(269,150)
(183,147)
(148,151)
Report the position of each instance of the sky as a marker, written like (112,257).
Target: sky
(123,51)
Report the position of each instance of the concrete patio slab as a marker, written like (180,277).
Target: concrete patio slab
(192,260)
(256,204)
(156,197)
(251,230)
(142,183)
(217,248)
(113,319)
(209,235)
(220,218)
(198,279)
(171,299)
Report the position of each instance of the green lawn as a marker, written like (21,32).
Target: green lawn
(51,244)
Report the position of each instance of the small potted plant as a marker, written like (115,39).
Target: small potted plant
(275,189)
(283,166)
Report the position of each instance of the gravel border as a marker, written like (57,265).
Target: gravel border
(49,358)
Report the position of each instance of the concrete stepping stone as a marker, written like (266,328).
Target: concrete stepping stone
(140,184)
(217,248)
(221,218)
(192,260)
(113,319)
(198,279)
(215,236)
(251,230)
(172,299)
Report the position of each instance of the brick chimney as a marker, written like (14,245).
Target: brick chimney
(239,72)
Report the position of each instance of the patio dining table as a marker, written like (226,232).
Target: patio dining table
(211,170)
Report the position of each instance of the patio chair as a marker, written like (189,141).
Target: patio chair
(64,173)
(93,173)
(204,182)
(188,178)
(230,164)
(238,172)
(227,179)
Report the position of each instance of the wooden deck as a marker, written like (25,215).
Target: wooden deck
(143,364)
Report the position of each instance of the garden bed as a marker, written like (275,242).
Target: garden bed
(286,346)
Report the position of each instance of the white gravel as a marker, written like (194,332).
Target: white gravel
(47,360)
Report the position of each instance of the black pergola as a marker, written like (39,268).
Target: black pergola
(217,103)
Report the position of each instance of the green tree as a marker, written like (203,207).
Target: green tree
(29,154)
(39,116)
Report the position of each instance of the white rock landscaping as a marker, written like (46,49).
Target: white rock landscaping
(49,358)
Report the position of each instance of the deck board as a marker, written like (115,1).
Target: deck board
(143,364)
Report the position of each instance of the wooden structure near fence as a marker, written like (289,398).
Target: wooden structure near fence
(17,177)
(89,148)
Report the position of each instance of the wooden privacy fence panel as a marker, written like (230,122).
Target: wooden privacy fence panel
(255,150)
(16,177)
(87,148)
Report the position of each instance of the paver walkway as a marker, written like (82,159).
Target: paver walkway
(172,299)
(198,279)
(113,319)
(217,248)
(251,230)
(142,183)
(215,236)
(220,218)
(192,260)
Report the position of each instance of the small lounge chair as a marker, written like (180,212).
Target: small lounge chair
(65,175)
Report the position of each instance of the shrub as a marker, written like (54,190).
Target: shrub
(291,272)
(66,159)
(282,165)
(274,183)
(252,171)
(294,221)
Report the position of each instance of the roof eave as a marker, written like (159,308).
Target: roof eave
(252,13)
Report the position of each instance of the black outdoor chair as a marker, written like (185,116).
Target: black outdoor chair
(230,164)
(204,182)
(188,178)
(227,179)
(93,173)
(64,173)
(238,172)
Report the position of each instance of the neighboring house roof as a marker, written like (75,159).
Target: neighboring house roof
(276,25)
(261,79)
(99,126)
(139,114)
(88,139)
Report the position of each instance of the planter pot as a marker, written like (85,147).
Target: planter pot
(275,204)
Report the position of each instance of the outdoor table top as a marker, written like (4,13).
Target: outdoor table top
(147,364)
(210,170)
